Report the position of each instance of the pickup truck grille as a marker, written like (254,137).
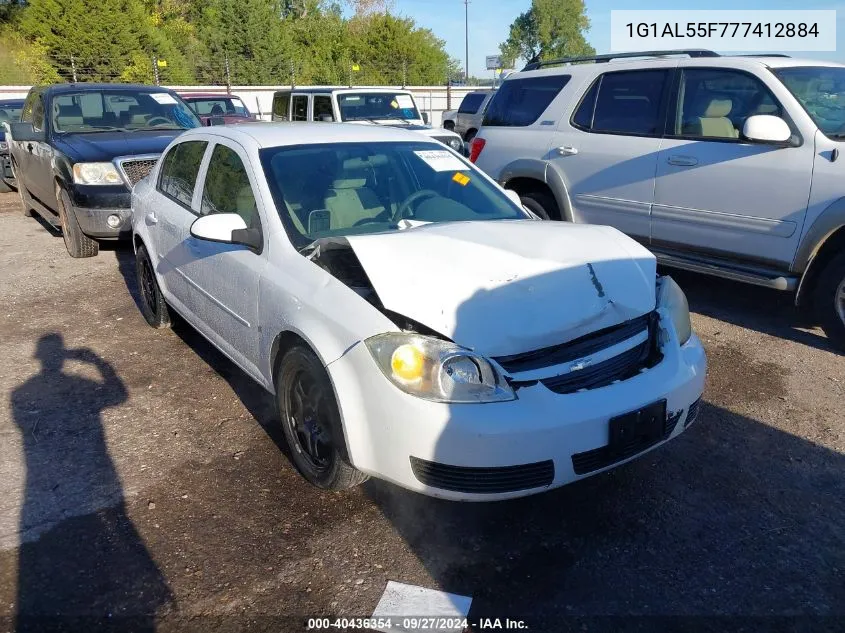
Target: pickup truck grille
(136,169)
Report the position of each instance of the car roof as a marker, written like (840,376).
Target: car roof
(325,89)
(82,87)
(206,95)
(291,133)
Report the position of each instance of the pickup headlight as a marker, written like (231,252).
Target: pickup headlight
(456,144)
(437,370)
(672,298)
(96,174)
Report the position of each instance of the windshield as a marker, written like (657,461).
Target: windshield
(218,106)
(822,93)
(352,188)
(126,110)
(366,106)
(10,112)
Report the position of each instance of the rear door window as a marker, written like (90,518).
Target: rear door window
(627,102)
(322,106)
(179,170)
(471,103)
(300,108)
(520,102)
(281,106)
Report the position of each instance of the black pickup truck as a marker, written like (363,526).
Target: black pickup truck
(80,148)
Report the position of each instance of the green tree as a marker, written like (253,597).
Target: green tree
(548,30)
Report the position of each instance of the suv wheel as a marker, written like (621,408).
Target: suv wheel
(829,300)
(470,135)
(449,125)
(308,412)
(542,204)
(77,243)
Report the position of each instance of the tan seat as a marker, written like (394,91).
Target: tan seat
(349,201)
(712,120)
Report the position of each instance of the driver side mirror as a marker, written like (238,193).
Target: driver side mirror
(25,132)
(226,228)
(425,117)
(766,128)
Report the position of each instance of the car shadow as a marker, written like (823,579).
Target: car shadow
(763,310)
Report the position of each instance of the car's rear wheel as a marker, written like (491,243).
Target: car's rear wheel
(541,203)
(152,303)
(829,300)
(470,135)
(77,243)
(309,416)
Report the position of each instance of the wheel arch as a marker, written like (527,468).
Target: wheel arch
(829,246)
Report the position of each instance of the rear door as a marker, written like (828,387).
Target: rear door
(718,193)
(607,152)
(18,149)
(39,158)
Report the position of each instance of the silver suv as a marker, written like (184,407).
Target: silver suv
(721,165)
(466,120)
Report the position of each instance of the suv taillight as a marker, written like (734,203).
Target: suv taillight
(475,148)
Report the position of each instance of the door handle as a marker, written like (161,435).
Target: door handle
(682,161)
(29,147)
(151,218)
(567,150)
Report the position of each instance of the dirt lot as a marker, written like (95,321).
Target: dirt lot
(143,482)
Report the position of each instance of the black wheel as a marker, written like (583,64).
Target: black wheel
(541,203)
(77,243)
(308,413)
(470,135)
(829,300)
(153,306)
(449,125)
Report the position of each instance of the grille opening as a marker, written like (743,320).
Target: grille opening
(483,479)
(137,170)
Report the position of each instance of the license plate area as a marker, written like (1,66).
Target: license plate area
(637,428)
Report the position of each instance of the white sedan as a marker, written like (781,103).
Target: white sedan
(413,321)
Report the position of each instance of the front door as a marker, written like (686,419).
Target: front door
(718,193)
(607,153)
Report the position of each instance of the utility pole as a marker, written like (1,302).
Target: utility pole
(73,68)
(466,40)
(155,70)
(404,73)
(228,76)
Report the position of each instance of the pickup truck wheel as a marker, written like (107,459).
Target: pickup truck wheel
(152,303)
(77,243)
(308,412)
(829,300)
(542,204)
(449,125)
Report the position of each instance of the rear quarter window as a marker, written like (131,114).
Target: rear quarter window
(520,102)
(471,103)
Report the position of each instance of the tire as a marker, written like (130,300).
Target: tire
(541,203)
(449,125)
(152,303)
(308,413)
(829,300)
(4,187)
(470,135)
(77,243)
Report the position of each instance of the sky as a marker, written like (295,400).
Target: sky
(489,21)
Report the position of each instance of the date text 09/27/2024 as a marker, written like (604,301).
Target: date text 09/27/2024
(681,30)
(403,623)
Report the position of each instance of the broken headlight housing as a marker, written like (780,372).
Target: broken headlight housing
(437,370)
(674,301)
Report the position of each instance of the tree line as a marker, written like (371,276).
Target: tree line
(217,41)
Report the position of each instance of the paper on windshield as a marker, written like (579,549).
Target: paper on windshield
(404,101)
(442,160)
(163,98)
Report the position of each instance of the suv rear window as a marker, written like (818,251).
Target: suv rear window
(472,102)
(520,102)
(623,103)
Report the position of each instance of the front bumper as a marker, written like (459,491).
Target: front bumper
(394,436)
(93,205)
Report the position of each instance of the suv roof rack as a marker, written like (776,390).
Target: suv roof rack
(764,55)
(534,64)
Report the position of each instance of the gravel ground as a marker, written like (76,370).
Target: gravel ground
(144,484)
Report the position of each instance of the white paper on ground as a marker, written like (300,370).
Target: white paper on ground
(442,160)
(400,600)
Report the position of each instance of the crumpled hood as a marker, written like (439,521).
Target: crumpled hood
(507,287)
(104,146)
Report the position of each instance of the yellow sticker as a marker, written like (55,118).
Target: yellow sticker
(461,179)
(394,104)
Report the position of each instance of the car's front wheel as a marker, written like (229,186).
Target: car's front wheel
(77,243)
(829,300)
(309,415)
(152,303)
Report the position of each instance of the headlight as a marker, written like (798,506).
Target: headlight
(437,370)
(456,144)
(672,298)
(96,174)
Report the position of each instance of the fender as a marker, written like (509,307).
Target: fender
(826,224)
(540,170)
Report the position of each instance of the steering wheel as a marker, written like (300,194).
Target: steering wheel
(158,120)
(410,202)
(375,220)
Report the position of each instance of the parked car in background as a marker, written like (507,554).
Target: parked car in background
(216,107)
(10,112)
(80,148)
(523,356)
(729,166)
(368,106)
(466,120)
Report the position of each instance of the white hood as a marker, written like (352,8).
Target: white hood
(507,287)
